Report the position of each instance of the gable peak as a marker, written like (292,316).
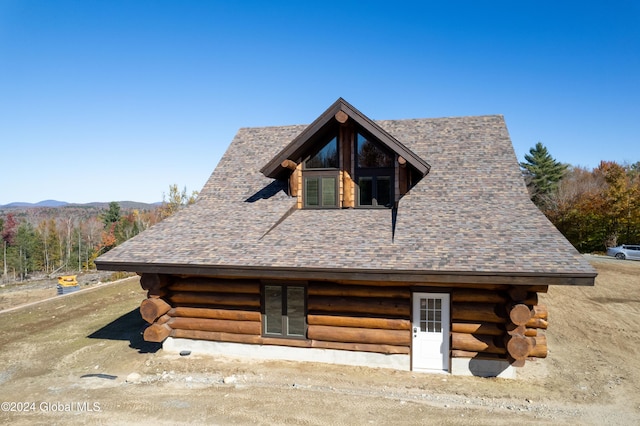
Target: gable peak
(339,113)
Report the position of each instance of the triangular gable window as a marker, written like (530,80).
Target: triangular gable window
(371,154)
(326,158)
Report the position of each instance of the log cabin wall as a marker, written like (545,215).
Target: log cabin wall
(204,309)
(359,318)
(505,322)
(341,317)
(487,322)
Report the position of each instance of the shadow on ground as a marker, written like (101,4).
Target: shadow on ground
(128,327)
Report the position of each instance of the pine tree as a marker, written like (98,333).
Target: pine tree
(112,215)
(542,173)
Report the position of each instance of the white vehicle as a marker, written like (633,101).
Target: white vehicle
(625,251)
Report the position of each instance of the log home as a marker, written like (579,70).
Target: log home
(409,244)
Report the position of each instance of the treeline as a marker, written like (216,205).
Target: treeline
(594,209)
(599,208)
(68,239)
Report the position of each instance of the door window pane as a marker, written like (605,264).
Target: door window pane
(431,315)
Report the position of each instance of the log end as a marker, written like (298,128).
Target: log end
(153,281)
(519,347)
(520,314)
(288,164)
(156,333)
(152,308)
(341,117)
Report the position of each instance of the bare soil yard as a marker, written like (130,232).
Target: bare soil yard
(80,359)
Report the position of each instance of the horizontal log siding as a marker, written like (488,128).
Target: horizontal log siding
(225,326)
(225,310)
(182,311)
(368,318)
(216,285)
(354,316)
(362,322)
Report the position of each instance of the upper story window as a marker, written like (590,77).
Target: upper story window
(325,158)
(370,154)
(374,173)
(320,177)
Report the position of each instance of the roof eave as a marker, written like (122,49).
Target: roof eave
(415,277)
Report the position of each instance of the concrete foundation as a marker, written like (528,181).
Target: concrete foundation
(459,366)
(285,353)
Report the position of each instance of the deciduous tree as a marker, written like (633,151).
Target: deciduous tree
(177,200)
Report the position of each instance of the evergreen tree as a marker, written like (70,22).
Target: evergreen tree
(112,215)
(542,173)
(8,233)
(23,251)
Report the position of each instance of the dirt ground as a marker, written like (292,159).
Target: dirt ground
(80,359)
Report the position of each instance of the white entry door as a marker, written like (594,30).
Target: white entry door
(430,331)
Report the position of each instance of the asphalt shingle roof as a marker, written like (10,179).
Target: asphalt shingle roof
(470,214)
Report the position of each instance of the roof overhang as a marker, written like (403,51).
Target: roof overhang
(411,277)
(300,144)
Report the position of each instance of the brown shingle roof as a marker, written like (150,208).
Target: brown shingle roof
(471,216)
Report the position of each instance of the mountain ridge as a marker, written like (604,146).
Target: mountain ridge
(58,204)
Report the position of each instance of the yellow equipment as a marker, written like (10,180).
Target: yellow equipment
(68,280)
(67,284)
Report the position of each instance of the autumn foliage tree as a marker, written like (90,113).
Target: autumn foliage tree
(66,239)
(599,208)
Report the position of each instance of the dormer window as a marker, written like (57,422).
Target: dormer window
(325,158)
(374,173)
(372,155)
(320,177)
(345,160)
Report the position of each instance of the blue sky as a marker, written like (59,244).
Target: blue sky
(117,100)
